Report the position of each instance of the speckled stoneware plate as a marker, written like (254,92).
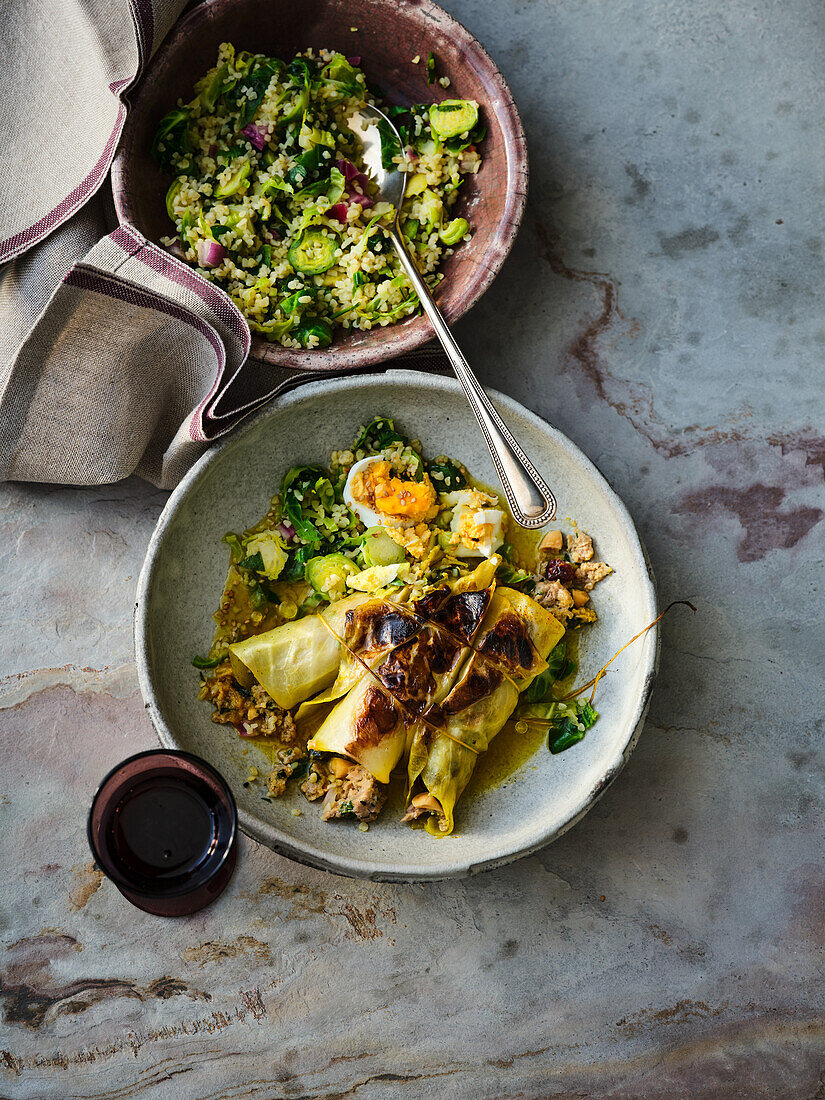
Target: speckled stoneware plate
(230,488)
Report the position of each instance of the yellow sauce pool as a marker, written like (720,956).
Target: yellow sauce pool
(510,749)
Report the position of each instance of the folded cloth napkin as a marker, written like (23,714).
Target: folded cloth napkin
(115,357)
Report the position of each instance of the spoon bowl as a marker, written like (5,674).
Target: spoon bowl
(392,184)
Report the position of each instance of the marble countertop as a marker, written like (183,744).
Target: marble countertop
(662,307)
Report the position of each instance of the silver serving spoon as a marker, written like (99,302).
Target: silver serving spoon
(531,502)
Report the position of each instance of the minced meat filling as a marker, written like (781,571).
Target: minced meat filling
(579,547)
(590,573)
(553,595)
(564,579)
(358,794)
(253,712)
(288,761)
(315,786)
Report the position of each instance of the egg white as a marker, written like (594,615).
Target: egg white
(486,547)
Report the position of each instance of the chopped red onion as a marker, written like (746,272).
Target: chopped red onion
(347,168)
(213,149)
(351,173)
(210,253)
(339,211)
(361,200)
(411,153)
(256,135)
(355,59)
(286,530)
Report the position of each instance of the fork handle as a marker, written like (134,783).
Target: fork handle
(531,502)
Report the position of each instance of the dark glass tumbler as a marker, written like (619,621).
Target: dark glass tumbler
(163,827)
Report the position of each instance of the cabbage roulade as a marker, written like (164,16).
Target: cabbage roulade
(369,724)
(510,651)
(296,660)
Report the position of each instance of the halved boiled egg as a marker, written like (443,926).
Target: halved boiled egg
(381,498)
(478,530)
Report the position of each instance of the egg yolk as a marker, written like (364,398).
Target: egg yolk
(394,497)
(403,498)
(472,532)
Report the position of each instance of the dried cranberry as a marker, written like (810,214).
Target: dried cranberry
(557,570)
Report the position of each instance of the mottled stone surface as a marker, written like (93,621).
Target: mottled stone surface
(662,307)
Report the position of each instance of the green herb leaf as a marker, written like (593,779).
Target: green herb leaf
(475,136)
(290,304)
(540,688)
(567,669)
(300,770)
(302,486)
(515,578)
(446,476)
(564,736)
(556,660)
(259,82)
(294,568)
(257,596)
(341,75)
(304,166)
(170,132)
(254,562)
(588,715)
(299,70)
(274,185)
(566,731)
(390,145)
(377,435)
(210,89)
(318,327)
(209,662)
(317,188)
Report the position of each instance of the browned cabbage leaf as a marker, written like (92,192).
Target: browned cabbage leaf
(515,638)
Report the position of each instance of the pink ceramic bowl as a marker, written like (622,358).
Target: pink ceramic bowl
(388,35)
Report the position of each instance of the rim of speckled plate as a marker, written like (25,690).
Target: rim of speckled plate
(383,343)
(308,854)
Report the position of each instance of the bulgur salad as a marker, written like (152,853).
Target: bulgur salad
(269,202)
(377,615)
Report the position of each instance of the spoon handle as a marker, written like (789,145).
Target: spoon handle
(530,501)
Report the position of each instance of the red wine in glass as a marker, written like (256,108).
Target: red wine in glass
(163,828)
